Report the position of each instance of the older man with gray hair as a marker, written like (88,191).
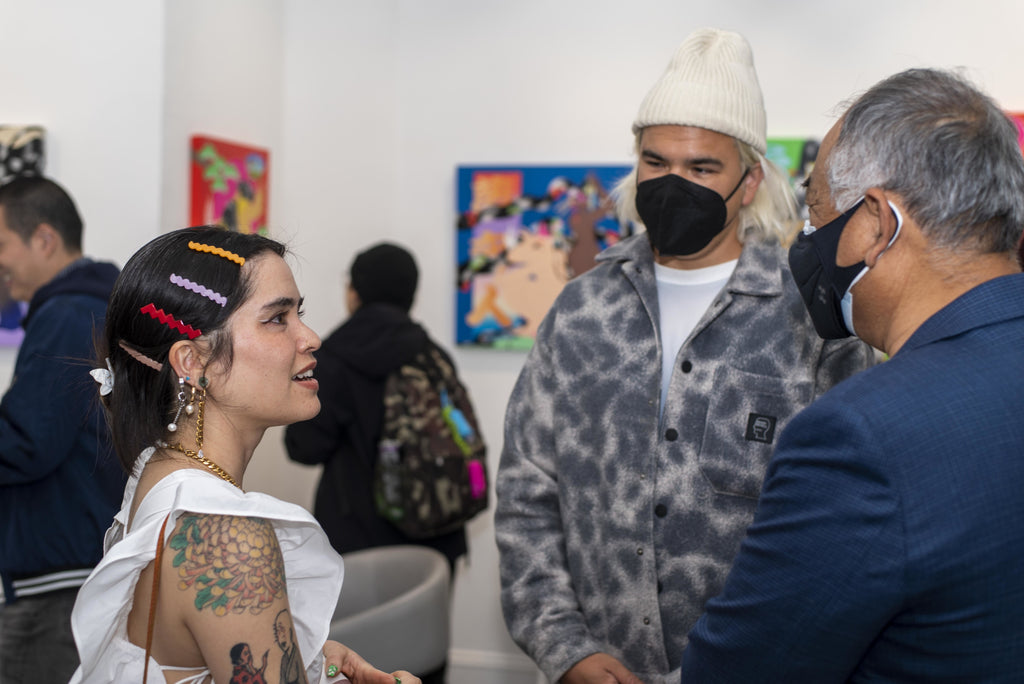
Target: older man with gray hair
(888,543)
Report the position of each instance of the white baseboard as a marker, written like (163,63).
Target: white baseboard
(468,666)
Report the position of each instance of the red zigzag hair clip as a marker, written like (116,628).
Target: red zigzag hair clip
(170,321)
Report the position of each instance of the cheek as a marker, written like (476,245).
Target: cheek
(851,247)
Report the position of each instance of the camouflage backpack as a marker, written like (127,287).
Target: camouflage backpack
(431,472)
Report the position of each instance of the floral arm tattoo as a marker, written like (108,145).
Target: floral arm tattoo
(230,562)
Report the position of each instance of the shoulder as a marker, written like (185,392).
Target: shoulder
(73,313)
(864,403)
(232,563)
(609,284)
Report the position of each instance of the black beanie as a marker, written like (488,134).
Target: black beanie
(385,273)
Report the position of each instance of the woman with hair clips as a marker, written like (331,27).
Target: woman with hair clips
(204,349)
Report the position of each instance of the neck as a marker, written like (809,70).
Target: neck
(944,279)
(59,262)
(228,443)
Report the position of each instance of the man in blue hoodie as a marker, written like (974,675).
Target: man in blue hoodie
(60,484)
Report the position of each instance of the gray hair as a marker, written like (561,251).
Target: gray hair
(945,148)
(772,215)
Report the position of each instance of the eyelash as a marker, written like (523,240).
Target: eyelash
(275,319)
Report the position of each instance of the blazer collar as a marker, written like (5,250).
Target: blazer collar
(994,301)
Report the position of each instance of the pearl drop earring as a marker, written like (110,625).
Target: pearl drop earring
(190,406)
(173,425)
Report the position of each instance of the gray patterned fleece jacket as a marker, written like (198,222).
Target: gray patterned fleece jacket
(614,526)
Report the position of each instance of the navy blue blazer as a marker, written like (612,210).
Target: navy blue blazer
(888,544)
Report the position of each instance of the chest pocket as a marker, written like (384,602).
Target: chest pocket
(746,413)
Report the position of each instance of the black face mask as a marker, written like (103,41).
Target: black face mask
(682,217)
(824,286)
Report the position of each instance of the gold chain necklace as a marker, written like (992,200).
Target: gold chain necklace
(198,455)
(210,465)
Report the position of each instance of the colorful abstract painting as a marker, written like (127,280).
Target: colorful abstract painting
(795,156)
(1018,120)
(229,185)
(523,232)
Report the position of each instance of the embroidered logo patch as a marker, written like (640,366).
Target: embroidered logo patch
(760,428)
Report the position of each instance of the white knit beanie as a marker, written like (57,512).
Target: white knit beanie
(710,83)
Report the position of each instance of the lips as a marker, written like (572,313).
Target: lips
(305,374)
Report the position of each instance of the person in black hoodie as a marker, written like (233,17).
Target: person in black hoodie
(353,364)
(60,484)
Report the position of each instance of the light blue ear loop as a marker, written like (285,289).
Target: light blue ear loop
(846,304)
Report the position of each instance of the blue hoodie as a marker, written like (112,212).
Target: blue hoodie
(60,483)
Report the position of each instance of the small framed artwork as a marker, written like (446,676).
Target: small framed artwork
(229,184)
(522,233)
(22,151)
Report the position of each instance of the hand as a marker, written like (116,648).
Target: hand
(599,668)
(352,665)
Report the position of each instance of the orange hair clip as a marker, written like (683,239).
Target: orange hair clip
(230,256)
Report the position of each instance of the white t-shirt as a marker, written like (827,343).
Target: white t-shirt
(683,297)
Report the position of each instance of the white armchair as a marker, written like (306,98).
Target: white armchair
(394,607)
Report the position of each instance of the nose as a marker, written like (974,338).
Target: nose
(309,341)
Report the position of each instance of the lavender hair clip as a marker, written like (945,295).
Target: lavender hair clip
(199,289)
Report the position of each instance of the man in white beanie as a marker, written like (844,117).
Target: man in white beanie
(638,434)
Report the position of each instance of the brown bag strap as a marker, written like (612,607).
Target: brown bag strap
(152,599)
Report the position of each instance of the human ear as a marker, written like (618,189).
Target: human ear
(352,300)
(187,360)
(755,174)
(46,238)
(883,224)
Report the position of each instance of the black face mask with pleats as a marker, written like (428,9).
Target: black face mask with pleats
(682,217)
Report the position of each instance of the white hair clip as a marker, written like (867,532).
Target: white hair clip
(104,376)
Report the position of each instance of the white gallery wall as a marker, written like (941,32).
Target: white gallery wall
(368,106)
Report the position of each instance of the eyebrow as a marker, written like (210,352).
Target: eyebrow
(653,155)
(690,161)
(282,303)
